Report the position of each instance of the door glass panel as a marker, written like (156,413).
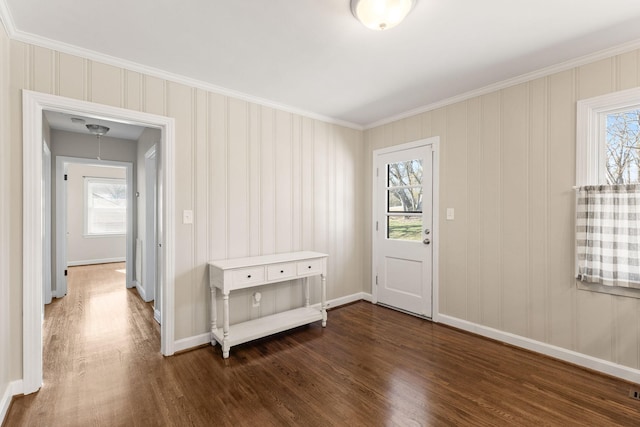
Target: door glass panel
(404,227)
(405,200)
(402,174)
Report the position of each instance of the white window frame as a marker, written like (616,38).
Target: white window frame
(591,156)
(591,133)
(87,181)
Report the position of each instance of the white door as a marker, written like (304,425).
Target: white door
(403,219)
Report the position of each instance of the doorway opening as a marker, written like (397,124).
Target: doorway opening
(34,106)
(93,216)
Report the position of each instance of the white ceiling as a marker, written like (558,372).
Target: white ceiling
(313,56)
(62,121)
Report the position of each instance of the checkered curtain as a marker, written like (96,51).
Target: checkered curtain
(607,240)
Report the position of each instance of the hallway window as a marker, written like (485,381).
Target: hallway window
(105,206)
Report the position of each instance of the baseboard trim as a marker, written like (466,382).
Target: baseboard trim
(198,340)
(337,302)
(13,388)
(141,291)
(580,359)
(5,402)
(156,316)
(190,342)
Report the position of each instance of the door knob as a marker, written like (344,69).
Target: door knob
(426,241)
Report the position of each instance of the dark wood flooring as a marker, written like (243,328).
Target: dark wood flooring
(371,366)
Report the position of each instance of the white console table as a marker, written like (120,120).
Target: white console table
(241,273)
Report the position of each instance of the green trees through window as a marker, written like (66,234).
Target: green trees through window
(404,200)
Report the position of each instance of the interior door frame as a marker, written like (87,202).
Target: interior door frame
(47,278)
(434,142)
(62,212)
(33,106)
(150,256)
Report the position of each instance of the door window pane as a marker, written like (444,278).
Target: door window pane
(404,195)
(402,174)
(404,227)
(405,200)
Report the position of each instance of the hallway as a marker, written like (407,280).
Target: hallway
(95,340)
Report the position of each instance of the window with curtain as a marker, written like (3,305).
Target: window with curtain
(608,192)
(607,240)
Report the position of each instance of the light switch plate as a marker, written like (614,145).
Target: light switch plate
(187,217)
(450,214)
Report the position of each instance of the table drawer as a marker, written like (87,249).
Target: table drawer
(281,271)
(313,266)
(246,276)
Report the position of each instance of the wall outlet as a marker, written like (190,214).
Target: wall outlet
(634,394)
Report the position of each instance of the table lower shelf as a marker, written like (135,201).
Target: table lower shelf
(264,326)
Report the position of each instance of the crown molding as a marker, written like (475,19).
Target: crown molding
(18,35)
(543,72)
(22,36)
(7,19)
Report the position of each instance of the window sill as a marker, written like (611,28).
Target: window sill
(610,290)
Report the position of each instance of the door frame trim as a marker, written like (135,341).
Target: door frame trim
(149,246)
(62,198)
(434,142)
(48,231)
(33,105)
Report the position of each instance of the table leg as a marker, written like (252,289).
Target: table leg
(225,326)
(306,292)
(323,302)
(214,314)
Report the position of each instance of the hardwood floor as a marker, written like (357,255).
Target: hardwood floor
(371,366)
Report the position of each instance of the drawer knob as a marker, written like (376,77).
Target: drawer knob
(281,271)
(309,267)
(248,276)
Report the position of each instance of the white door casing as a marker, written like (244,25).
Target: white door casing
(62,164)
(34,104)
(405,227)
(46,212)
(149,247)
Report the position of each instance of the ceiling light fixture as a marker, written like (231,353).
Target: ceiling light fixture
(98,131)
(381,14)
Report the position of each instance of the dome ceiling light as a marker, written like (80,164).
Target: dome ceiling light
(381,14)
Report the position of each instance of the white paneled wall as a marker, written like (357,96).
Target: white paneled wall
(262,181)
(259,181)
(508,167)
